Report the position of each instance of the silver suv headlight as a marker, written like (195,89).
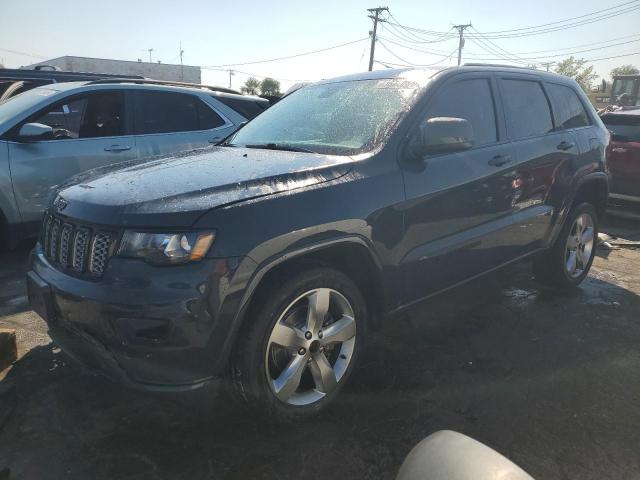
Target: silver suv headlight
(166,248)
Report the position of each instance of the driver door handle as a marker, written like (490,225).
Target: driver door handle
(564,145)
(499,160)
(117,148)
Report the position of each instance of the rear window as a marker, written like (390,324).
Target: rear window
(568,108)
(248,108)
(526,108)
(624,128)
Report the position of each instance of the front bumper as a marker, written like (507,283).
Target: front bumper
(157,328)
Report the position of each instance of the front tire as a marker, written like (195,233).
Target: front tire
(301,343)
(570,258)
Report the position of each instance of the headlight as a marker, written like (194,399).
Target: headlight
(166,248)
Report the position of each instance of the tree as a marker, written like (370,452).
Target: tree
(270,86)
(576,68)
(251,86)
(624,70)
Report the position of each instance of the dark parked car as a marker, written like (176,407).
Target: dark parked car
(266,260)
(624,156)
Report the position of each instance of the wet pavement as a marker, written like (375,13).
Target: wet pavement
(550,380)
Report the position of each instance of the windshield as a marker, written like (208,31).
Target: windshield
(623,127)
(343,118)
(24,101)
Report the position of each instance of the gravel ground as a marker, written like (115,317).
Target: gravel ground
(550,380)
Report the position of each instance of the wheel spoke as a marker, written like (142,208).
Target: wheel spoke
(339,331)
(287,336)
(572,242)
(322,373)
(288,381)
(571,262)
(579,225)
(587,235)
(318,308)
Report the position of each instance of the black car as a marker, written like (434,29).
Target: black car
(267,259)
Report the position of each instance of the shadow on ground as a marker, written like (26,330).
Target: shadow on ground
(550,380)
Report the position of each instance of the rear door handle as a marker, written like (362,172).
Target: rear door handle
(499,160)
(117,148)
(564,145)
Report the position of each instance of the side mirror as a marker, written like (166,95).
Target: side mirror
(31,132)
(444,135)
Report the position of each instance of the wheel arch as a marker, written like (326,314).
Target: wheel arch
(594,189)
(349,255)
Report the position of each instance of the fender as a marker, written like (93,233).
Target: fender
(269,265)
(601,177)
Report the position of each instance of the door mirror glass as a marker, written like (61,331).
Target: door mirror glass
(445,135)
(31,132)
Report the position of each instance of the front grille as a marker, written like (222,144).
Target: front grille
(82,249)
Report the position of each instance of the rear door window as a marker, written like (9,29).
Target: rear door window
(526,108)
(471,100)
(167,112)
(567,107)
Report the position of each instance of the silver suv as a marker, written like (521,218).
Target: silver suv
(53,132)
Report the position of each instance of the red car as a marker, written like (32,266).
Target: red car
(624,156)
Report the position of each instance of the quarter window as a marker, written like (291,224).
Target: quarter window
(568,108)
(160,112)
(526,108)
(471,100)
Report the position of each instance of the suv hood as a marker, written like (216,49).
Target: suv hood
(175,191)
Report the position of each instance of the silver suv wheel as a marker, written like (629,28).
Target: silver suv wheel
(310,347)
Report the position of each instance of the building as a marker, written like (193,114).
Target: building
(157,71)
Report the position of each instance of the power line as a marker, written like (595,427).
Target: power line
(289,56)
(565,20)
(407,63)
(25,54)
(546,28)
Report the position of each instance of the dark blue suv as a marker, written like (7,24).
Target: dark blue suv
(266,259)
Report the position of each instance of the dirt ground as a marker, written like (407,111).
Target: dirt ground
(550,380)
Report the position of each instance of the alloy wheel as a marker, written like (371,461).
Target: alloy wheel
(579,246)
(310,347)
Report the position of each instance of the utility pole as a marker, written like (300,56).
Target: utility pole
(460,29)
(230,75)
(150,50)
(181,66)
(376,18)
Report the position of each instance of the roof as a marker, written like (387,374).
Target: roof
(425,73)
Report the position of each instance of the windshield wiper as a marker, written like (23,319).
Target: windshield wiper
(279,146)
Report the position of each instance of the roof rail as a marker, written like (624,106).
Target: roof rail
(495,65)
(148,81)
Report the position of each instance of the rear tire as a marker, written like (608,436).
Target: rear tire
(568,262)
(299,344)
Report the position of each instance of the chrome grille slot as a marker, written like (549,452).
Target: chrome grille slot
(80,246)
(65,244)
(53,242)
(76,247)
(100,248)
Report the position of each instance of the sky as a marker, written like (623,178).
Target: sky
(214,34)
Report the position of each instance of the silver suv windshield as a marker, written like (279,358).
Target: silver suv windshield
(22,102)
(342,118)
